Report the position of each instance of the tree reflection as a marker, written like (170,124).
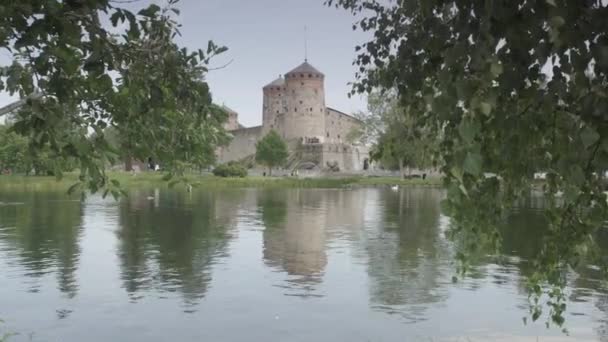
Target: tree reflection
(44,229)
(170,240)
(405,253)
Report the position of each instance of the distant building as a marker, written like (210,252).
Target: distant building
(294,106)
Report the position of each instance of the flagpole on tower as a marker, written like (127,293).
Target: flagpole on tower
(305,44)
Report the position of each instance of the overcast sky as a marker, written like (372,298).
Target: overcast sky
(266,38)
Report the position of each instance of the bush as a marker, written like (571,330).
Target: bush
(230,169)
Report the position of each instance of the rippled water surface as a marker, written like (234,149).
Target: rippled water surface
(266,265)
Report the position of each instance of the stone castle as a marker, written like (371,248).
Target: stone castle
(317,135)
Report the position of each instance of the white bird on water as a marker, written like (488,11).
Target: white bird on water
(395,187)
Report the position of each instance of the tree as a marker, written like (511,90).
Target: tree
(271,151)
(514,87)
(17,156)
(13,151)
(397,140)
(137,80)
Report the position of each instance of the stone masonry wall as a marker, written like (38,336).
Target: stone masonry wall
(242,144)
(338,126)
(304,118)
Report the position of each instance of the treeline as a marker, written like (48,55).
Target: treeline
(18,156)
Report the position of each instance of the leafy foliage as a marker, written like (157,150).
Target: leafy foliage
(75,72)
(271,151)
(398,142)
(514,88)
(17,156)
(230,169)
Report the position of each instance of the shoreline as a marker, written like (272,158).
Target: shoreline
(128,180)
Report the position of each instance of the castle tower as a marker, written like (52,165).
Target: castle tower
(304,119)
(274,104)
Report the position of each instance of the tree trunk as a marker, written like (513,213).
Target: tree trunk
(401,168)
(128,163)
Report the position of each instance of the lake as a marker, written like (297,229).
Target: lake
(367,264)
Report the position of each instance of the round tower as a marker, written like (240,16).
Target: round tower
(274,104)
(304,119)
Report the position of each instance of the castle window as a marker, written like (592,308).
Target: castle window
(316,92)
(295,109)
(311,109)
(302,83)
(309,75)
(293,92)
(301,102)
(277,111)
(302,75)
(338,136)
(328,134)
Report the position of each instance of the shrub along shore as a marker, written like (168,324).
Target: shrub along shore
(142,179)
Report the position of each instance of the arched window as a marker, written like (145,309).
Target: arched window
(328,134)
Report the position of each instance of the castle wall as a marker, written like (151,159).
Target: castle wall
(304,118)
(242,144)
(294,107)
(274,105)
(347,156)
(232,123)
(338,126)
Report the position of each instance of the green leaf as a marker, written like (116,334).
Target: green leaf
(73,188)
(468,129)
(589,136)
(496,69)
(150,11)
(557,21)
(114,18)
(486,108)
(577,175)
(472,164)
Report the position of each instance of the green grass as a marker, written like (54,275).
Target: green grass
(206,181)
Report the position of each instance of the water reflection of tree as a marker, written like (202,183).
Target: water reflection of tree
(405,253)
(522,235)
(44,229)
(170,240)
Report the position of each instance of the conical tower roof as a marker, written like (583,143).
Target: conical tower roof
(279,82)
(305,68)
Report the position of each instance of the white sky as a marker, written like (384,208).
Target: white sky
(266,38)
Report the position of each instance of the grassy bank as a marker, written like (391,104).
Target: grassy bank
(206,181)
